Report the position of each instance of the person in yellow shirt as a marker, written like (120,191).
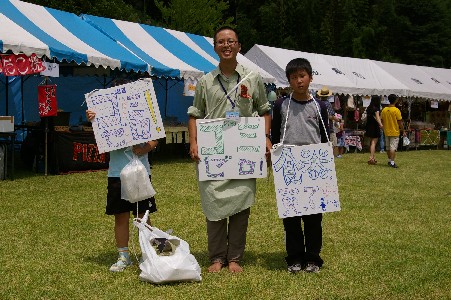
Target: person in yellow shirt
(393,126)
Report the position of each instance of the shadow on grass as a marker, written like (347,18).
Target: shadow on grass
(103,259)
(270,261)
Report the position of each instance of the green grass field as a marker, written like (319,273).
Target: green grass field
(392,239)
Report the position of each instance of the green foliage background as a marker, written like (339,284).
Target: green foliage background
(410,32)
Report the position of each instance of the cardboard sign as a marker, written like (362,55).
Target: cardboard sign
(231,149)
(126,115)
(305,180)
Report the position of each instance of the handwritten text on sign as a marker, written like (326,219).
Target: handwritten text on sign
(126,115)
(230,149)
(305,180)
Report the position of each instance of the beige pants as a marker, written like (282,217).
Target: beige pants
(227,240)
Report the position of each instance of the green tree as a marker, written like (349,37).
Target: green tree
(115,9)
(201,17)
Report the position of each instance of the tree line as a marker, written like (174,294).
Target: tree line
(404,31)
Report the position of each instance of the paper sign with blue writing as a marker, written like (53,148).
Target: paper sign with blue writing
(305,180)
(126,115)
(231,149)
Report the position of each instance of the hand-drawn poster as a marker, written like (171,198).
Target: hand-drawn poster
(305,180)
(230,149)
(126,115)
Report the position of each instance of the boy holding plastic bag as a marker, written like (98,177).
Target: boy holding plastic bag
(116,204)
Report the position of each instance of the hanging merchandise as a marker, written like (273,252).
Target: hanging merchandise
(350,103)
(434,104)
(337,105)
(47,100)
(356,115)
(189,87)
(366,100)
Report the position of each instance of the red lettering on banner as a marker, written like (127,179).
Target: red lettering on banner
(89,153)
(20,64)
(47,100)
(77,150)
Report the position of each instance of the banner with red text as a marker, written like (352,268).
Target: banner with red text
(47,100)
(76,152)
(20,64)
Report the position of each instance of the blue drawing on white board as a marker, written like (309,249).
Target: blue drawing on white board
(311,199)
(289,200)
(323,203)
(246,167)
(291,169)
(311,162)
(213,166)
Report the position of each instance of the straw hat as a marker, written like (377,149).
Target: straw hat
(324,92)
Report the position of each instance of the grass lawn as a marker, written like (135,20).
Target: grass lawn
(392,239)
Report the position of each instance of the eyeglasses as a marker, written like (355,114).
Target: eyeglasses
(230,42)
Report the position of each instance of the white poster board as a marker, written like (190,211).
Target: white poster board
(231,149)
(305,180)
(126,115)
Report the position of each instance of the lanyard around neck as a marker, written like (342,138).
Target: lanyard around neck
(225,91)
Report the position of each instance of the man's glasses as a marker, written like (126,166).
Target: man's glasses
(228,43)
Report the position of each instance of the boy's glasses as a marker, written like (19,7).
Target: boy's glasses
(228,43)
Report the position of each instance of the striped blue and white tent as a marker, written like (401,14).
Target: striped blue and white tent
(170,53)
(29,28)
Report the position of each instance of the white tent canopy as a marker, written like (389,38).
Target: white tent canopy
(441,76)
(274,61)
(419,83)
(357,76)
(367,77)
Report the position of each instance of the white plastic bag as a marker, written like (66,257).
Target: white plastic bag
(405,141)
(135,182)
(178,265)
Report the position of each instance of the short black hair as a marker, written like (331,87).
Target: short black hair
(296,65)
(225,28)
(392,98)
(375,101)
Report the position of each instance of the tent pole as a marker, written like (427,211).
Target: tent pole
(7,94)
(166,103)
(46,138)
(21,95)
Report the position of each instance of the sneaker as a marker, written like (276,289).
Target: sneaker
(295,268)
(120,265)
(339,156)
(394,166)
(382,151)
(312,268)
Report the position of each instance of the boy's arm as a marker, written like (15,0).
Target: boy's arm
(146,148)
(276,122)
(192,129)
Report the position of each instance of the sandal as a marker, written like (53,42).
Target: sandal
(372,161)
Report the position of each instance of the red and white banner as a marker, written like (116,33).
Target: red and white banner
(20,64)
(47,100)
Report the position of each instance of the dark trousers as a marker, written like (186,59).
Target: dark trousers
(227,240)
(303,246)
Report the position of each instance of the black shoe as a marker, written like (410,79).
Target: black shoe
(393,165)
(295,268)
(312,268)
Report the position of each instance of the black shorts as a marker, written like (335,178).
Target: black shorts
(116,205)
